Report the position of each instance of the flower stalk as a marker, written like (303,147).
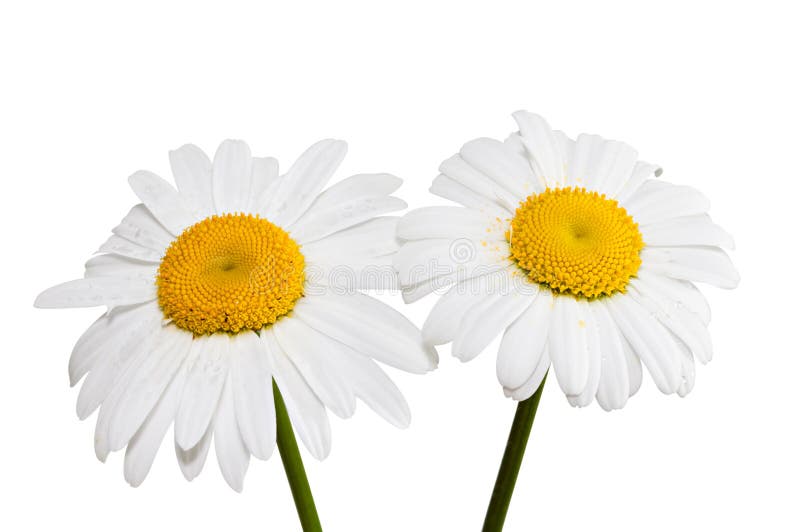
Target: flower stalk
(512,460)
(293,465)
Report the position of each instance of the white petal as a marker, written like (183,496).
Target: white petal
(567,343)
(415,292)
(641,172)
(581,166)
(85,353)
(634,366)
(305,410)
(530,386)
(374,238)
(353,187)
(461,258)
(697,264)
(594,358)
(192,461)
(376,389)
(432,265)
(485,321)
(338,374)
(97,291)
(697,230)
(515,143)
(304,181)
(448,188)
(108,410)
(207,374)
(106,375)
(144,445)
(370,327)
(524,342)
(499,162)
(264,182)
(192,170)
(450,222)
(252,394)
(311,351)
(683,293)
(232,172)
(163,201)
(601,165)
(232,454)
(324,222)
(616,168)
(125,248)
(105,336)
(147,383)
(126,336)
(543,147)
(444,319)
(687,373)
(649,340)
(614,385)
(465,174)
(687,327)
(356,272)
(141,227)
(655,201)
(118,266)
(566,147)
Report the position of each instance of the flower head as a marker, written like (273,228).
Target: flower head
(217,288)
(574,252)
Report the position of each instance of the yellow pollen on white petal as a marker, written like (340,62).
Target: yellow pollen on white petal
(230,273)
(576,242)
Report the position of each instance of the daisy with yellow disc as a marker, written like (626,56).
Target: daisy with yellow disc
(218,287)
(579,257)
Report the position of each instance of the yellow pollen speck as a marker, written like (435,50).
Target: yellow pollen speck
(230,273)
(575,241)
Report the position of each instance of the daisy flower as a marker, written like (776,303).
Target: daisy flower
(577,255)
(221,286)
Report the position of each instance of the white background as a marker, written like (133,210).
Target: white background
(91,92)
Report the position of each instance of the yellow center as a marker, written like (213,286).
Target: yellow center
(576,242)
(229,273)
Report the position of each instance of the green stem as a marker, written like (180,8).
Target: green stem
(293,465)
(512,459)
